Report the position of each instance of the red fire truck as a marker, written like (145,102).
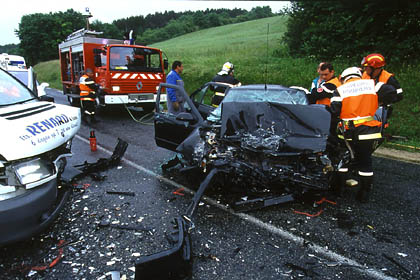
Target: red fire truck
(127,74)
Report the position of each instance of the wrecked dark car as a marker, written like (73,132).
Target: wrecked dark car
(262,135)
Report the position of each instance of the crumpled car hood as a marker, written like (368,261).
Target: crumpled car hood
(34,128)
(282,127)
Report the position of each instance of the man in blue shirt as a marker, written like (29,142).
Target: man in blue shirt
(175,99)
(316,83)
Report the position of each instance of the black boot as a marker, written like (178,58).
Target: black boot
(366,186)
(338,184)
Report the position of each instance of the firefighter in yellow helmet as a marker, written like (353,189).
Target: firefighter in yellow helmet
(226,75)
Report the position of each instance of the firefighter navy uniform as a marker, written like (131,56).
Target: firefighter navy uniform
(88,89)
(393,93)
(219,91)
(355,102)
(224,76)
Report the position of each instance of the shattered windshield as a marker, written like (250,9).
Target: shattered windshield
(275,94)
(135,59)
(12,92)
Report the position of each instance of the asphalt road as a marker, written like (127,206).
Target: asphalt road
(347,240)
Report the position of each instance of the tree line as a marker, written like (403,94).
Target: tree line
(40,33)
(344,29)
(325,30)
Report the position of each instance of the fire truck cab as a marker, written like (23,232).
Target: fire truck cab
(126,74)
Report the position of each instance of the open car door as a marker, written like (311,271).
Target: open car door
(171,130)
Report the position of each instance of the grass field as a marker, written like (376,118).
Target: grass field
(260,58)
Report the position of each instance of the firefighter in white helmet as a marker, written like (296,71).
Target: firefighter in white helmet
(226,75)
(355,103)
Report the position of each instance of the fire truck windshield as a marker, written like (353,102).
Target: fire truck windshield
(135,59)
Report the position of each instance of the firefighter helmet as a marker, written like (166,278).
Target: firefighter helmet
(226,69)
(351,72)
(374,60)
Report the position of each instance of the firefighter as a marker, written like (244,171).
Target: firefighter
(323,93)
(88,94)
(373,66)
(226,75)
(355,102)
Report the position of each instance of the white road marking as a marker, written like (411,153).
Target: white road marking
(275,230)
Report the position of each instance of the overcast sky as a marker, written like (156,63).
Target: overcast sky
(107,11)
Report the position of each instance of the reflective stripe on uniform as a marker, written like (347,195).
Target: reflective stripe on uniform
(358,121)
(336,99)
(87,83)
(378,86)
(370,136)
(343,170)
(219,94)
(366,174)
(364,136)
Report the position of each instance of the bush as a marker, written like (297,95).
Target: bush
(348,29)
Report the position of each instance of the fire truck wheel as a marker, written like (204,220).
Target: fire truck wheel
(73,101)
(148,107)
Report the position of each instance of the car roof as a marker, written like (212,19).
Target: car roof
(260,86)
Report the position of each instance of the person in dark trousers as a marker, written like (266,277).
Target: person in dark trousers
(355,102)
(175,100)
(323,93)
(226,76)
(88,93)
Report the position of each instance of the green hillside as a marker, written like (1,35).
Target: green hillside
(246,46)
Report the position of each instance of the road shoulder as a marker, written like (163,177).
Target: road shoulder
(398,155)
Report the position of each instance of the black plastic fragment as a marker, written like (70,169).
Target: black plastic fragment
(261,202)
(172,264)
(78,171)
(121,193)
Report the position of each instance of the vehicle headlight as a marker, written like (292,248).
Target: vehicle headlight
(33,171)
(115,88)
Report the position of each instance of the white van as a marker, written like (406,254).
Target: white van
(36,140)
(12,62)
